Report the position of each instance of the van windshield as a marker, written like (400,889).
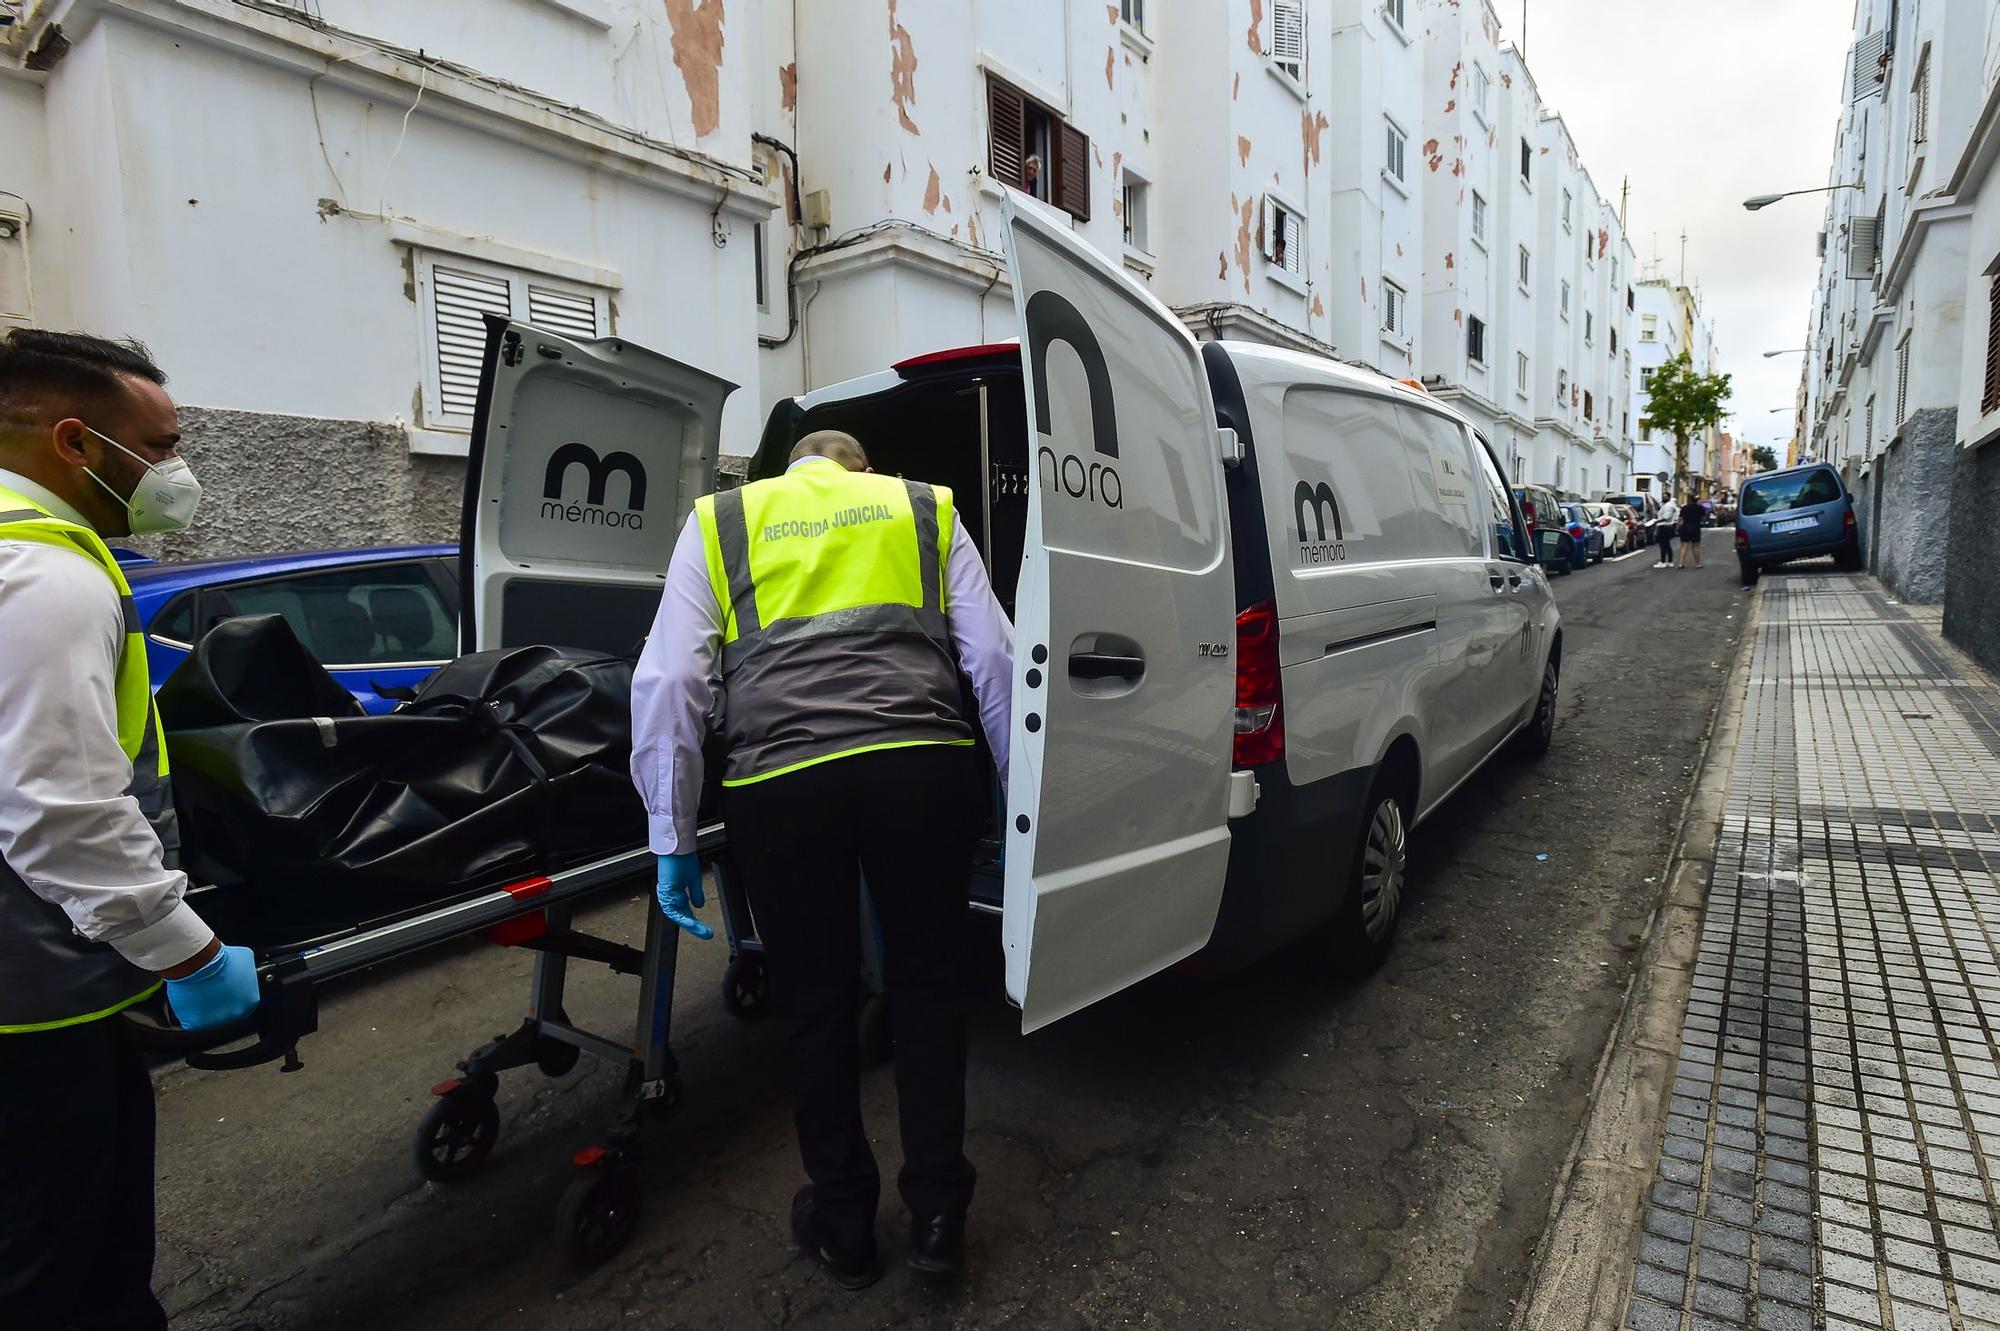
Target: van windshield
(1778,493)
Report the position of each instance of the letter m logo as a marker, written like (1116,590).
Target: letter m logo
(1319,499)
(597,472)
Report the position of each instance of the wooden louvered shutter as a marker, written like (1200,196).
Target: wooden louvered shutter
(1991,400)
(1072,192)
(460,298)
(1006,122)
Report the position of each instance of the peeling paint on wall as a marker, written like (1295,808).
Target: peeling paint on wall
(697,47)
(888,169)
(1111,11)
(1243,233)
(1236,85)
(788,86)
(1312,128)
(1110,63)
(1242,151)
(902,71)
(933,191)
(1256,27)
(1432,155)
(1222,265)
(1319,308)
(1450,262)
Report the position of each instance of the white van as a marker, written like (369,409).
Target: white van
(1270,610)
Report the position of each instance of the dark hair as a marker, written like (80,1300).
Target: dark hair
(39,367)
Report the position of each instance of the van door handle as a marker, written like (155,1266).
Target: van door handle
(1493,579)
(1102,665)
(1513,580)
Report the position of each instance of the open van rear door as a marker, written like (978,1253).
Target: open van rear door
(586,458)
(1124,691)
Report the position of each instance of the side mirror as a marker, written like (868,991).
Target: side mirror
(1549,546)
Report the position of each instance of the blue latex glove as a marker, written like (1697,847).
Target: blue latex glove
(222,991)
(680,893)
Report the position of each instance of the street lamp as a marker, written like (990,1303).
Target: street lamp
(1788,351)
(1766,200)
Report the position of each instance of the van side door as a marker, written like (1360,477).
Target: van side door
(1124,687)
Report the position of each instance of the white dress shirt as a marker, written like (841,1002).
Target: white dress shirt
(673,688)
(67,827)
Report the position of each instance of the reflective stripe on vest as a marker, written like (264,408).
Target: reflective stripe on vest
(50,976)
(835,640)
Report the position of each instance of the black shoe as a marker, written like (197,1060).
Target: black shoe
(937,1246)
(847,1272)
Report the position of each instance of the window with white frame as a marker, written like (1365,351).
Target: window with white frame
(1521,374)
(1562,389)
(1527,164)
(456,293)
(1393,11)
(1902,381)
(1133,206)
(1395,309)
(1482,92)
(757,261)
(1133,12)
(1522,266)
(1589,328)
(1649,328)
(1565,214)
(1396,150)
(1475,339)
(1563,305)
(1288,37)
(1284,236)
(1478,217)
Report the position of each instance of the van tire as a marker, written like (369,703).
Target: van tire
(1540,734)
(1848,559)
(1748,568)
(1366,925)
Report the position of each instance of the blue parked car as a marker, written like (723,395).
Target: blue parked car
(1588,537)
(385,617)
(1796,513)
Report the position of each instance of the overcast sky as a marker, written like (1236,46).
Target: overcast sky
(1703,103)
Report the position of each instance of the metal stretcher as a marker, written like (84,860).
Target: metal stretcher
(599,1210)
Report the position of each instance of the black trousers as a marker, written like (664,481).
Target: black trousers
(76,1182)
(906,818)
(1666,539)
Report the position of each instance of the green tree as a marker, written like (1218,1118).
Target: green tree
(1684,403)
(1765,457)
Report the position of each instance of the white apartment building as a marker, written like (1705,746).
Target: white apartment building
(305,208)
(1668,322)
(1902,386)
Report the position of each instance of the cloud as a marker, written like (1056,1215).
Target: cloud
(1703,103)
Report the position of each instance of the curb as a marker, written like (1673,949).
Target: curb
(1581,1275)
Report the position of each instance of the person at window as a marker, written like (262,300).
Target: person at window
(1031,176)
(93,911)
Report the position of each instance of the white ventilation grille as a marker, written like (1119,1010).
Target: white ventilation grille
(571,313)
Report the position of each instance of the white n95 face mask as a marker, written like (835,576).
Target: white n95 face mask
(165,497)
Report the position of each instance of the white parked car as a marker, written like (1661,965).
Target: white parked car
(1617,539)
(1270,610)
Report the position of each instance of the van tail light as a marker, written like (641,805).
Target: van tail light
(1260,714)
(1742,537)
(1847,521)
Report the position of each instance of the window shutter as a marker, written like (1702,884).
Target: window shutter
(1267,230)
(460,299)
(571,313)
(1006,117)
(1288,36)
(1868,53)
(1863,234)
(1294,246)
(1073,172)
(1991,398)
(1902,383)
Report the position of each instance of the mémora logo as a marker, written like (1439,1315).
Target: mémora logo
(1319,500)
(1052,319)
(597,472)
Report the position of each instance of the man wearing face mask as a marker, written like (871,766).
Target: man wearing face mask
(92,912)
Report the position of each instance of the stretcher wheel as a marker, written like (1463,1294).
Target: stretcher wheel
(457,1135)
(746,986)
(555,1057)
(599,1212)
(877,1036)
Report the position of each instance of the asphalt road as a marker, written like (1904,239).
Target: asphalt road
(1274,1149)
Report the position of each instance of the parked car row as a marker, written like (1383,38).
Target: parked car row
(1590,532)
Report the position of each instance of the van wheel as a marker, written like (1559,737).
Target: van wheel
(1748,568)
(1374,905)
(1849,558)
(1540,735)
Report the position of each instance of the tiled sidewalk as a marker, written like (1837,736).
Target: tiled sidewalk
(1832,1152)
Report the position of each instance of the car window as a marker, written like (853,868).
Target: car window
(176,622)
(1508,540)
(1778,493)
(371,614)
(1346,484)
(1446,490)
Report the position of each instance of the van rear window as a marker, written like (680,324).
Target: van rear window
(1778,493)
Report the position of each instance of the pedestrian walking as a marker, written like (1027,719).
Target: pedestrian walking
(93,913)
(1693,514)
(822,599)
(1664,523)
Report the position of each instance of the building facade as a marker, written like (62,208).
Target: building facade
(306,209)
(1669,323)
(1902,385)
